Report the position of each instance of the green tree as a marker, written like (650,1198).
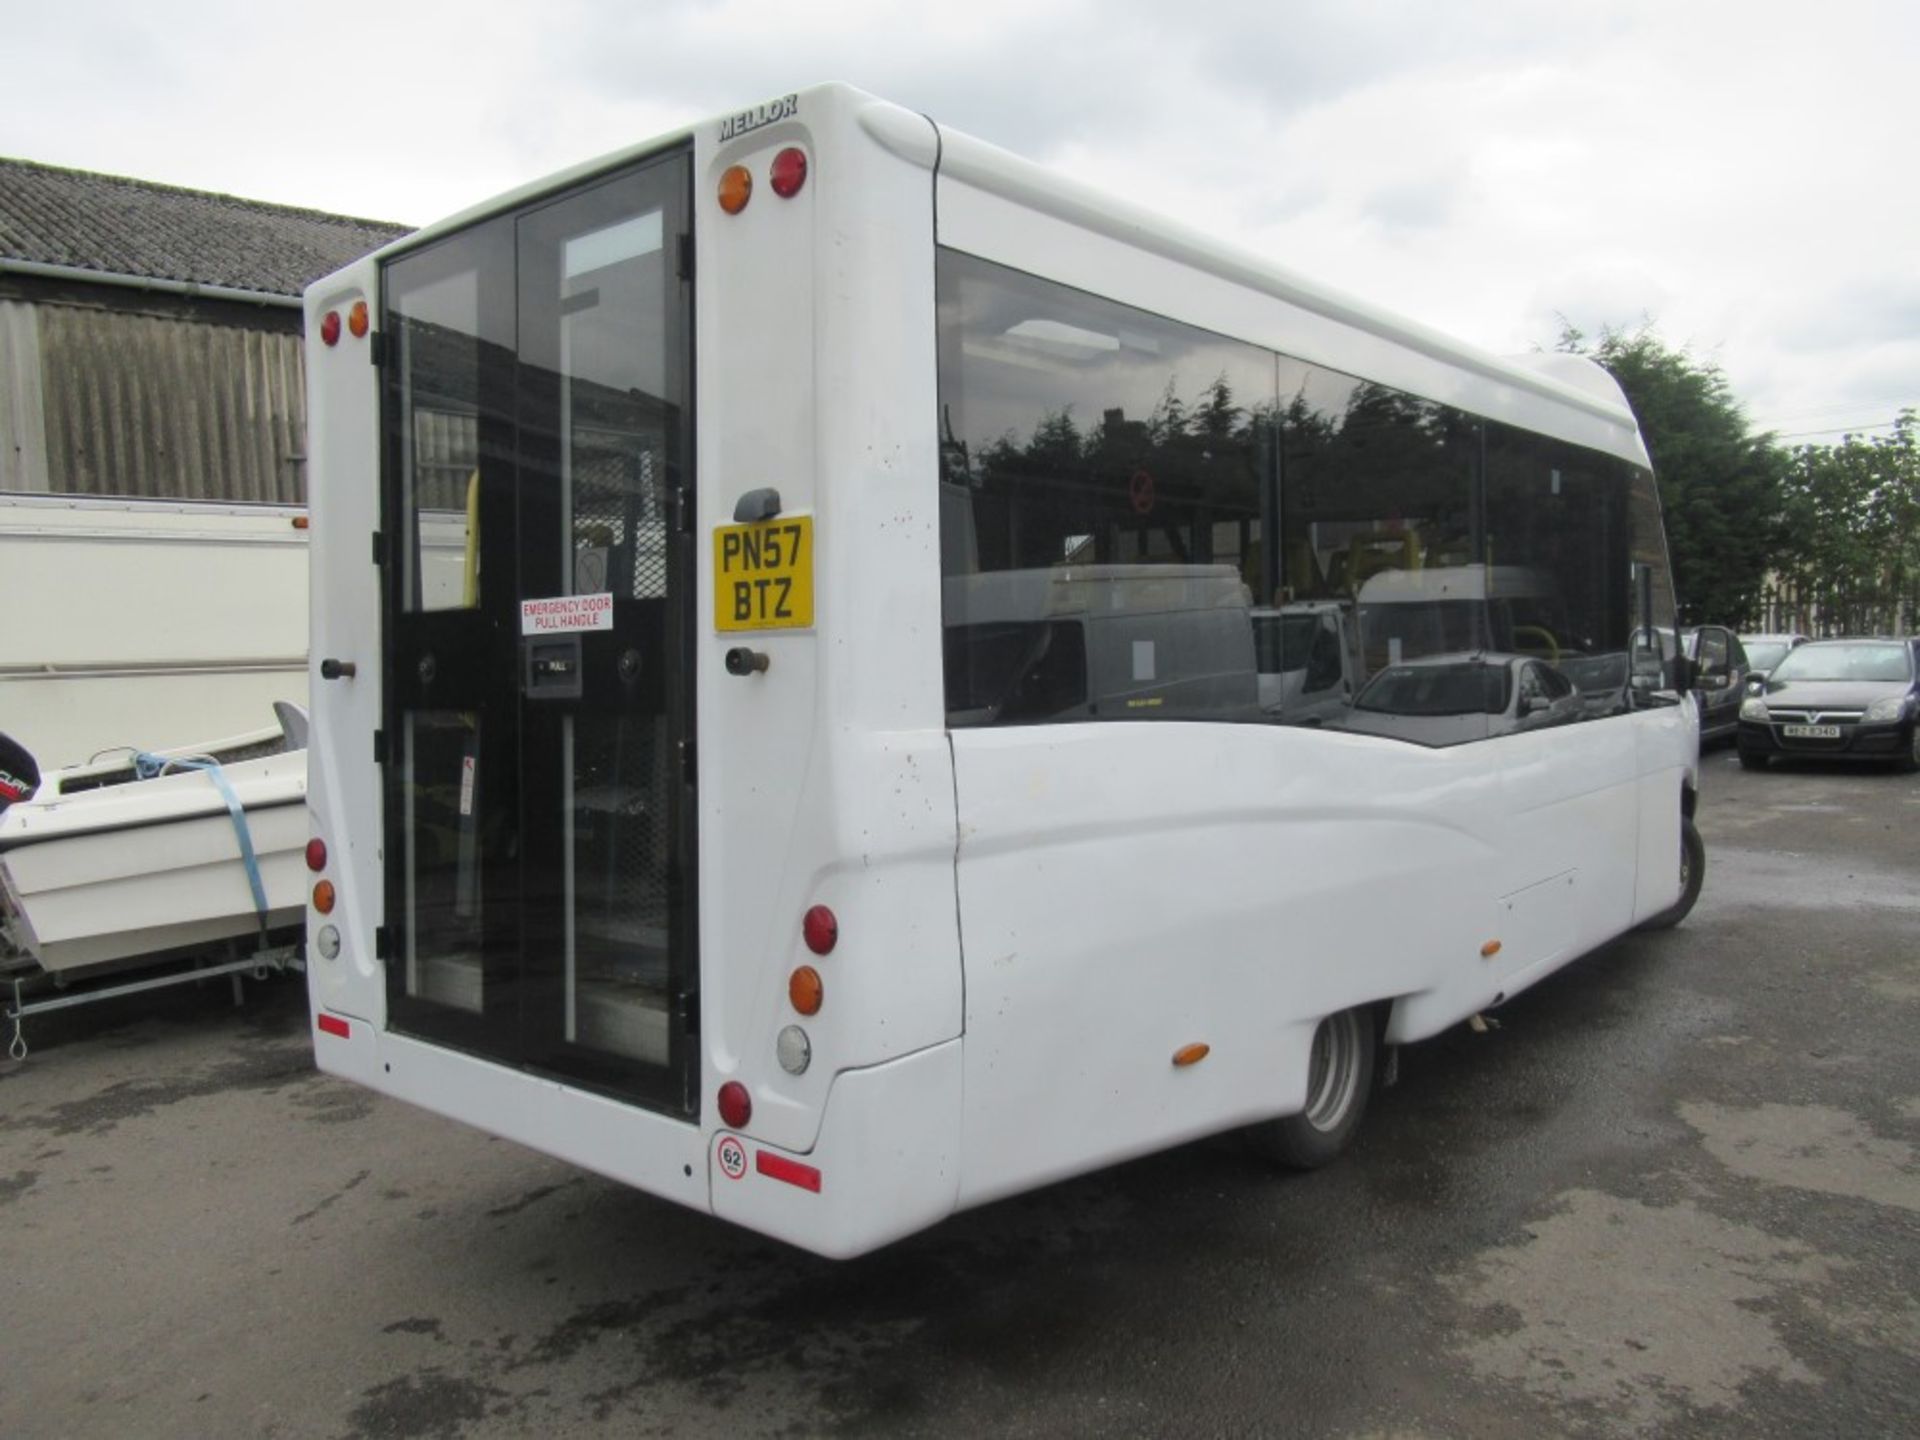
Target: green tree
(1720,484)
(1852,515)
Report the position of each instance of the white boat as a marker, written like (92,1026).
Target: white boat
(145,856)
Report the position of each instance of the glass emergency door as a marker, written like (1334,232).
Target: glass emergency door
(539,784)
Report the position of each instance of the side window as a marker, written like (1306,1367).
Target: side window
(1104,532)
(1653,615)
(1377,527)
(1713,651)
(1560,576)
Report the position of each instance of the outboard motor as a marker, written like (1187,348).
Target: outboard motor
(19,776)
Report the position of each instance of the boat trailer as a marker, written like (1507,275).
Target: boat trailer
(20,972)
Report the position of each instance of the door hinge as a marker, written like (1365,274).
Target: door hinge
(689,1003)
(382,947)
(689,763)
(686,257)
(377,348)
(379,548)
(379,747)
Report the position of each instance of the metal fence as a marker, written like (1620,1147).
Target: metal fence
(1824,611)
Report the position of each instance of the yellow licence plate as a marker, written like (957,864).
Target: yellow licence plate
(763,575)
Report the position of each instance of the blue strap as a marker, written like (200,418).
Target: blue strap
(147,767)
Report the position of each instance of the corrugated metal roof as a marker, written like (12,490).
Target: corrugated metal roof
(118,226)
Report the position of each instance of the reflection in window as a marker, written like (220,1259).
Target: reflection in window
(1143,520)
(453,342)
(1102,536)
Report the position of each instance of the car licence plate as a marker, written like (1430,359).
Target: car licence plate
(1811,732)
(763,575)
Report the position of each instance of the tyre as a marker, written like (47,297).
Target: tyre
(1909,760)
(1339,1080)
(1751,761)
(1693,872)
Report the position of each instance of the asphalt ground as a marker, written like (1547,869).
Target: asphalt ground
(1676,1191)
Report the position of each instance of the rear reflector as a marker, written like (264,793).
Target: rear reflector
(334,1025)
(778,1167)
(736,1105)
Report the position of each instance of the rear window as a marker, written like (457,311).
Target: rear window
(1467,688)
(1891,661)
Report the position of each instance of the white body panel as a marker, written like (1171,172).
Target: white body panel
(1033,919)
(145,623)
(128,871)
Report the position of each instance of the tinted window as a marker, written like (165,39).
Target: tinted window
(1106,468)
(450,313)
(1377,516)
(1236,535)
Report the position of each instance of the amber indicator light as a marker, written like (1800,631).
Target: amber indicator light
(806,990)
(736,188)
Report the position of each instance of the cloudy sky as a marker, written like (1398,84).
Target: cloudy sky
(1736,171)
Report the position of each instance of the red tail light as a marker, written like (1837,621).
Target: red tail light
(820,929)
(789,172)
(334,1025)
(330,328)
(316,854)
(736,1105)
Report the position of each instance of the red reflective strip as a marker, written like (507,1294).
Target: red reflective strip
(778,1167)
(334,1025)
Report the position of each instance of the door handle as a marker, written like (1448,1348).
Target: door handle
(338,669)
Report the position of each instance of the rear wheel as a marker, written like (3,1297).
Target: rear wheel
(1339,1080)
(1693,872)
